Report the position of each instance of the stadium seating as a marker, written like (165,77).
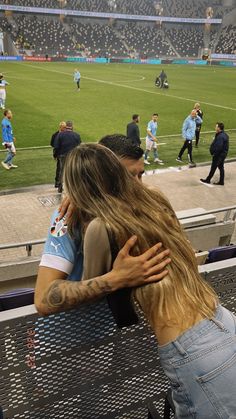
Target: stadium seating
(185,8)
(226,42)
(186,41)
(221,253)
(78,36)
(43,35)
(206,231)
(17,298)
(145,40)
(179,8)
(97,39)
(78,364)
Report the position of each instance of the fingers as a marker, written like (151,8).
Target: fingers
(69,212)
(150,253)
(63,207)
(158,268)
(157,258)
(128,246)
(156,278)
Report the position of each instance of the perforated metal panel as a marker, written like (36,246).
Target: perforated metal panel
(224,283)
(78,365)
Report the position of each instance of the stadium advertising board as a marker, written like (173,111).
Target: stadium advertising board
(27,58)
(10,58)
(228,63)
(98,60)
(224,56)
(193,62)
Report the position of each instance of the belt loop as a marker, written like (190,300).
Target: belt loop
(180,348)
(219,324)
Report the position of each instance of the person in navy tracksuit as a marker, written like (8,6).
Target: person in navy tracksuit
(219,150)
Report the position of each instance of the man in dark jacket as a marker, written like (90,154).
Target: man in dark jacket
(219,150)
(133,130)
(162,77)
(63,144)
(62,127)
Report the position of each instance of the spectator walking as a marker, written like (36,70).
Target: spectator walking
(219,150)
(8,140)
(188,133)
(77,77)
(151,140)
(62,127)
(64,143)
(133,130)
(197,107)
(3,84)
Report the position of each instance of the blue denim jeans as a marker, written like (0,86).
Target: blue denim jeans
(9,158)
(201,367)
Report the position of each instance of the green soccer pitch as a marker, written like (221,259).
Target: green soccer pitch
(40,95)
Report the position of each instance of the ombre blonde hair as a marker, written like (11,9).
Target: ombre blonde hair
(98,185)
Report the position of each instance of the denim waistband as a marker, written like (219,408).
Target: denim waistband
(189,337)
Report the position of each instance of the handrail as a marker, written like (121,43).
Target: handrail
(30,243)
(214,211)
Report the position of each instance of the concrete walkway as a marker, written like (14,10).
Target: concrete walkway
(25,214)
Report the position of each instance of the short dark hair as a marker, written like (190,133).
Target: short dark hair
(221,125)
(135,116)
(6,112)
(122,146)
(69,124)
(155,114)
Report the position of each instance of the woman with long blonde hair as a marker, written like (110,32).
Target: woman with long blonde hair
(196,335)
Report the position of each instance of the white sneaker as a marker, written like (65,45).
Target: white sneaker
(158,161)
(146,162)
(13,166)
(5,165)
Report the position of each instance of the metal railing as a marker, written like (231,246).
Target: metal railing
(28,245)
(228,211)
(230,215)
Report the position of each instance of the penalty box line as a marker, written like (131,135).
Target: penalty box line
(133,88)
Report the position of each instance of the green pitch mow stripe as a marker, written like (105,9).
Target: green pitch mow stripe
(133,88)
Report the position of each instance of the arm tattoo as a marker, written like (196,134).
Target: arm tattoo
(64,294)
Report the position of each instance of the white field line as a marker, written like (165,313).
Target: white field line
(133,88)
(180,135)
(45,147)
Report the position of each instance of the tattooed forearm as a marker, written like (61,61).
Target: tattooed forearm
(63,295)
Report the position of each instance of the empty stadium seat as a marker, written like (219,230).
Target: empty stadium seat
(221,253)
(16,298)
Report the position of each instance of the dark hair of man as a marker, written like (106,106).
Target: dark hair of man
(220,125)
(135,117)
(69,124)
(155,114)
(122,146)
